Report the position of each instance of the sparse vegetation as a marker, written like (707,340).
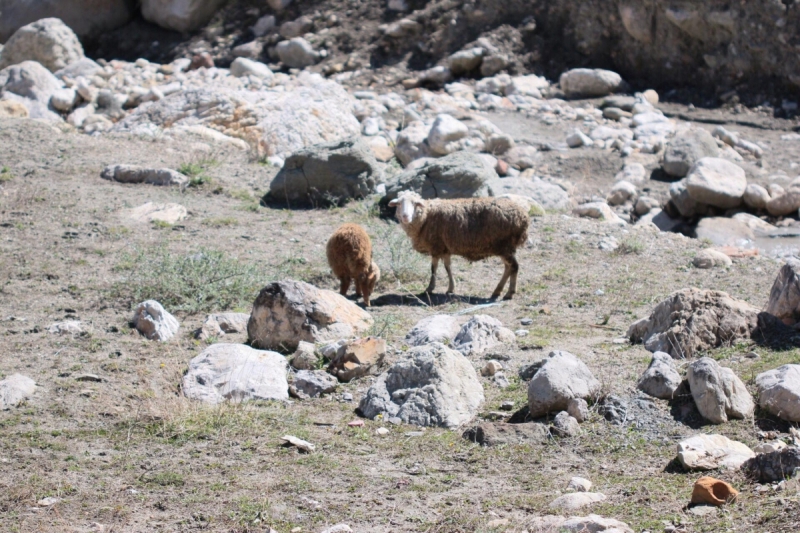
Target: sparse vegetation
(630,245)
(205,280)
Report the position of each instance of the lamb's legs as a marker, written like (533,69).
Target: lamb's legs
(345,285)
(451,285)
(434,267)
(506,274)
(512,286)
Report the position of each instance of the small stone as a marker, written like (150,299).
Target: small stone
(565,425)
(579,484)
(576,500)
(154,322)
(526,321)
(491,368)
(507,406)
(382,432)
(703,510)
(347,397)
(48,502)
(300,444)
(89,377)
(710,258)
(578,409)
(769,447)
(577,139)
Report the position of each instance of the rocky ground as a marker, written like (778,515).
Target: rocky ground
(116,435)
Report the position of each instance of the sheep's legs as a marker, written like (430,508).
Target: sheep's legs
(345,285)
(511,269)
(512,286)
(434,267)
(451,285)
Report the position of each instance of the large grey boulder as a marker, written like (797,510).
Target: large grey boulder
(14,390)
(180,15)
(550,196)
(48,41)
(480,333)
(434,328)
(695,320)
(154,322)
(87,18)
(718,182)
(432,385)
(326,174)
(561,378)
(686,149)
(458,175)
(31,85)
(779,391)
(287,312)
(784,297)
(709,452)
(297,53)
(661,379)
(310,110)
(236,372)
(589,82)
(718,393)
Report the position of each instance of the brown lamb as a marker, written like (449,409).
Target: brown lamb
(474,228)
(349,253)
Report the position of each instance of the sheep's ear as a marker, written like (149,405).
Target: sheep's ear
(394,203)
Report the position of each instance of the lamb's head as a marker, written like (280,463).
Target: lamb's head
(408,206)
(368,281)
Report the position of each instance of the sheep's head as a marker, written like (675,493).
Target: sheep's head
(368,281)
(407,206)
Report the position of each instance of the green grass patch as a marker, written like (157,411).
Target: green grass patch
(629,246)
(203,281)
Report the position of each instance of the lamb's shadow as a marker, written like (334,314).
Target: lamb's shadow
(426,300)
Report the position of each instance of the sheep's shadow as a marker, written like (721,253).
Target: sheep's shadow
(772,333)
(426,300)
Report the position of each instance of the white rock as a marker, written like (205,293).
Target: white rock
(301,444)
(154,322)
(338,528)
(579,484)
(598,210)
(661,379)
(32,85)
(445,133)
(431,386)
(716,182)
(709,452)
(593,523)
(465,60)
(287,312)
(48,41)
(14,390)
(754,223)
(589,82)
(769,447)
(561,378)
(621,192)
(180,15)
(491,368)
(412,143)
(578,409)
(66,327)
(710,258)
(718,393)
(577,138)
(648,117)
(605,133)
(565,425)
(247,67)
(494,85)
(150,212)
(297,53)
(134,174)
(309,110)
(64,100)
(779,391)
(236,372)
(530,85)
(631,172)
(435,328)
(575,500)
(481,333)
(219,324)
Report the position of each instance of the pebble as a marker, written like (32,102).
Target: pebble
(507,406)
(382,432)
(47,502)
(526,321)
(521,332)
(347,397)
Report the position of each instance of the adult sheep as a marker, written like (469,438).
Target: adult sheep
(474,228)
